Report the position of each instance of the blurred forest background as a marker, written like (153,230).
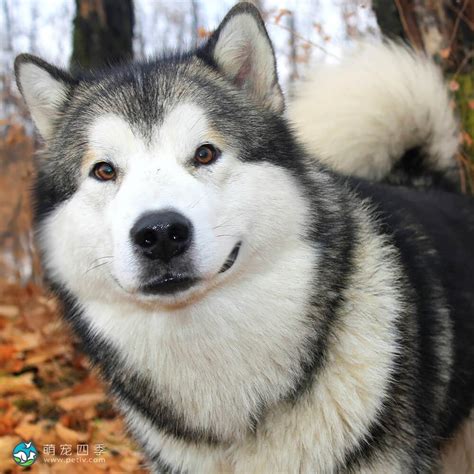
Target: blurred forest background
(47,392)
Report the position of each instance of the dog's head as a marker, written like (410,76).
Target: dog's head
(161,180)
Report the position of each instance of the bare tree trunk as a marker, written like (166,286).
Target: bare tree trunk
(33,36)
(103,33)
(442,28)
(6,88)
(195,22)
(8,25)
(139,35)
(293,49)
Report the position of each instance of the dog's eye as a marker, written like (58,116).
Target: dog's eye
(103,171)
(206,154)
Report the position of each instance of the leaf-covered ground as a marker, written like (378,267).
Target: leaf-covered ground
(49,394)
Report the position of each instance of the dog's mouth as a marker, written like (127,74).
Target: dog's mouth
(231,258)
(170,283)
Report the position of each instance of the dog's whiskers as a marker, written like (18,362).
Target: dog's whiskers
(222,224)
(94,265)
(196,203)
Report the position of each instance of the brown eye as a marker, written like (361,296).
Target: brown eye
(103,171)
(206,154)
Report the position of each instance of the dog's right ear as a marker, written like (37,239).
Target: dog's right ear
(45,89)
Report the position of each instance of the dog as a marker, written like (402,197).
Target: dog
(251,309)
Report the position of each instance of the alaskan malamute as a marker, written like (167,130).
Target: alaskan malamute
(252,310)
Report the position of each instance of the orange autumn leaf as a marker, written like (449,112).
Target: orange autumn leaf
(38,431)
(7,352)
(9,311)
(203,33)
(81,401)
(17,384)
(7,424)
(445,53)
(70,436)
(28,341)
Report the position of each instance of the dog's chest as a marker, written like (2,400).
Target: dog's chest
(213,369)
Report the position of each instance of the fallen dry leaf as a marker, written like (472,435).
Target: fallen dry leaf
(35,431)
(7,443)
(17,384)
(81,401)
(27,341)
(6,352)
(46,353)
(9,311)
(70,436)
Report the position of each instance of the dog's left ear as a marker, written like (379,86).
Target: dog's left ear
(242,50)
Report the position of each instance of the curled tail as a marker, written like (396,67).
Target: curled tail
(383,113)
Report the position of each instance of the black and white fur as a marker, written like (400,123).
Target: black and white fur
(340,338)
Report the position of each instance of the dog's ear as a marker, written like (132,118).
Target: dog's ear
(45,89)
(242,50)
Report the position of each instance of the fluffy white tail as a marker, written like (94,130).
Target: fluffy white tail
(382,113)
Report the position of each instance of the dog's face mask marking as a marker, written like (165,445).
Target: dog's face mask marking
(161,172)
(166,205)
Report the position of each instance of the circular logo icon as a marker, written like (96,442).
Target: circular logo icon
(25,454)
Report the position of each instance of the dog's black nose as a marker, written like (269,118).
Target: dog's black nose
(162,235)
